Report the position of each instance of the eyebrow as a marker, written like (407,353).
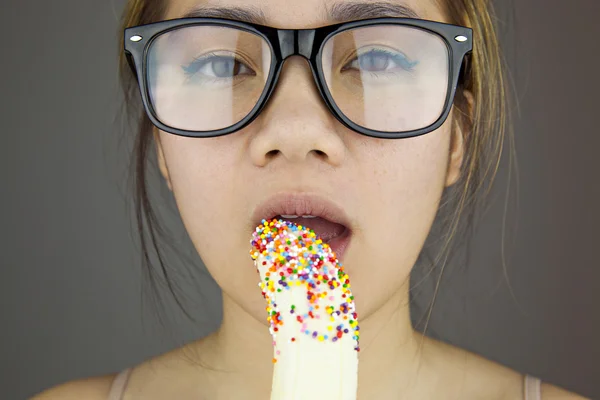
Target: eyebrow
(350,11)
(252,15)
(337,12)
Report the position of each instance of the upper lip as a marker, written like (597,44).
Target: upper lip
(300,204)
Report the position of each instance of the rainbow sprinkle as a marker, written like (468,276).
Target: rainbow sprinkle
(299,258)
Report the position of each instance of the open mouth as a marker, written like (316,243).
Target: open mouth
(337,236)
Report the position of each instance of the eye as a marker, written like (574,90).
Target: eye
(217,66)
(379,60)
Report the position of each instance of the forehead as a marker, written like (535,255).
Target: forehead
(294,14)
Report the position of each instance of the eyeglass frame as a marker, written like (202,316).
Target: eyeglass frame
(307,43)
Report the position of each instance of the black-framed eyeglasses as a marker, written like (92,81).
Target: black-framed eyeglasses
(388,78)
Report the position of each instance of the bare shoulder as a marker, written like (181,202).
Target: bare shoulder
(157,377)
(93,388)
(551,392)
(480,377)
(476,377)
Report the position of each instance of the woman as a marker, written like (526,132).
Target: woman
(390,122)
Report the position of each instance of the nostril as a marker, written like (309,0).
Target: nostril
(272,153)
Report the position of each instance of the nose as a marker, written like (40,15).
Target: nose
(296,124)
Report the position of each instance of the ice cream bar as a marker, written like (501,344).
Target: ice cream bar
(311,313)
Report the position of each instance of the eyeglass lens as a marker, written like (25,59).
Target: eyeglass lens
(390,78)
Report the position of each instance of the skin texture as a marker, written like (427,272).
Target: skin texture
(391,191)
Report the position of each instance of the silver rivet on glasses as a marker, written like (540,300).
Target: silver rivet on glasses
(461,38)
(135,38)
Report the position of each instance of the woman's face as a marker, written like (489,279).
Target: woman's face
(390,189)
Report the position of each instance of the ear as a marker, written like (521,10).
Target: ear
(162,164)
(457,148)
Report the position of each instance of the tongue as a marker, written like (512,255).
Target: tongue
(323,228)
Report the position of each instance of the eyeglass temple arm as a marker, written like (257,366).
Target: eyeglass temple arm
(465,68)
(131,64)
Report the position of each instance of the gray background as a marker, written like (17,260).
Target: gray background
(70,282)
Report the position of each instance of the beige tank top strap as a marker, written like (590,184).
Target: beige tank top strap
(532,388)
(119,384)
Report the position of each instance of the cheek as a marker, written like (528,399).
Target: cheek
(400,188)
(199,176)
(209,190)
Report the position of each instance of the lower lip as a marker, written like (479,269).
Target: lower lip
(340,243)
